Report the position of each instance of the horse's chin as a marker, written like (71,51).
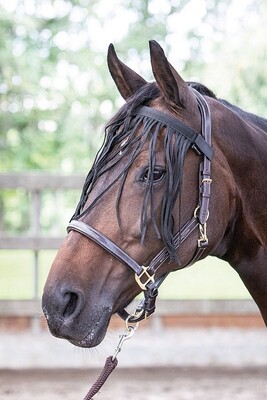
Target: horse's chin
(95,334)
(92,339)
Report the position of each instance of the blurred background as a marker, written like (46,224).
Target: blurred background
(56,95)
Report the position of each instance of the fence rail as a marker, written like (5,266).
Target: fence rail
(169,313)
(40,181)
(29,243)
(32,308)
(33,239)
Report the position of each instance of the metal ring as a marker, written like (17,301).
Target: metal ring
(129,325)
(195,212)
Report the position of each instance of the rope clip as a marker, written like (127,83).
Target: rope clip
(130,331)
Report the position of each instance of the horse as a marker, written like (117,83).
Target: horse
(181,175)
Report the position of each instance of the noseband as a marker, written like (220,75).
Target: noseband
(145,276)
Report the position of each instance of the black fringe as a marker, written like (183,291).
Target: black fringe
(124,126)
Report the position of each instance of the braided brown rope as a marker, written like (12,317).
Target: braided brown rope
(110,364)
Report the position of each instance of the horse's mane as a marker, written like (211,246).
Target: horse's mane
(247,116)
(124,140)
(202,89)
(255,119)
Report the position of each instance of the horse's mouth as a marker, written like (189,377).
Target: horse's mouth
(96,333)
(93,338)
(80,331)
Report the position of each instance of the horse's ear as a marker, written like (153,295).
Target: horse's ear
(127,81)
(172,85)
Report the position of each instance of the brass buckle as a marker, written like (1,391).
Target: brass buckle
(145,274)
(206,180)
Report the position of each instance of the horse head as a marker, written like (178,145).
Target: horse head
(141,196)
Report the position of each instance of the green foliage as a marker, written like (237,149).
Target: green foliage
(56,92)
(237,68)
(15,209)
(47,77)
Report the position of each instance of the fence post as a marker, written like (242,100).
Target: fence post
(35,231)
(1,213)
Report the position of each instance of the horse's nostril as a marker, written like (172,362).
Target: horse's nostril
(71,300)
(62,308)
(73,303)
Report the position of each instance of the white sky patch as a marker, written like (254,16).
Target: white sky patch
(159,7)
(10,5)
(47,125)
(117,20)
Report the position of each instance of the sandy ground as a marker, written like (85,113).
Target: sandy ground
(137,384)
(206,347)
(193,364)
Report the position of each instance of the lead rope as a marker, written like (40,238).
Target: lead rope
(111,362)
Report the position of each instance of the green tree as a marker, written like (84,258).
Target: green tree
(55,89)
(240,63)
(56,93)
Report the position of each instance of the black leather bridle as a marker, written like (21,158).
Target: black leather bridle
(145,275)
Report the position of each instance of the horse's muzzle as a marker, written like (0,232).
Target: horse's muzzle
(68,318)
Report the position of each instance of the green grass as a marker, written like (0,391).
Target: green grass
(208,279)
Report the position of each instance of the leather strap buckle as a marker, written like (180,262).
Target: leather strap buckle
(206,180)
(203,239)
(145,275)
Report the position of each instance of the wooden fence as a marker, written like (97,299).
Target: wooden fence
(35,241)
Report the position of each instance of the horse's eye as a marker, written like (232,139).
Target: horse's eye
(157,175)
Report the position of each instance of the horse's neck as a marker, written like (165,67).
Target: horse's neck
(255,120)
(242,143)
(244,146)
